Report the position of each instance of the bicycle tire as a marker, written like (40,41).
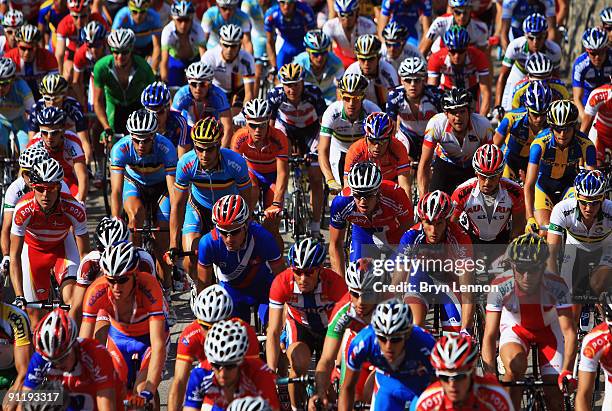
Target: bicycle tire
(106,182)
(298,229)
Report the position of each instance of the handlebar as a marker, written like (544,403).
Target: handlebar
(528,382)
(149,229)
(48,305)
(303,379)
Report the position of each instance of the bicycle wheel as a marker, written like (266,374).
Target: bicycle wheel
(105,175)
(298,229)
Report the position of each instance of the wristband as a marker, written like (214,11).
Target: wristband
(331,180)
(277,203)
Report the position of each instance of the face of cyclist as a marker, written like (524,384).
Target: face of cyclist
(348,20)
(457,57)
(535,41)
(229,51)
(122,58)
(414,86)
(377,148)
(199,89)
(208,155)
(608,28)
(528,276)
(307,279)
(366,202)
(537,120)
(392,347)
(53,100)
(317,59)
(46,194)
(362,309)
(183,24)
(5,87)
(67,363)
(394,49)
(598,57)
(227,12)
(434,230)
(563,136)
(227,376)
(121,287)
(352,104)
(461,15)
(27,51)
(589,207)
(488,184)
(258,130)
(52,137)
(80,18)
(287,8)
(293,91)
(97,50)
(143,144)
(369,66)
(456,388)
(458,119)
(162,116)
(138,15)
(11,37)
(233,236)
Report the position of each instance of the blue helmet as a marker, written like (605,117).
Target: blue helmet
(535,23)
(590,183)
(594,39)
(538,96)
(378,126)
(346,6)
(606,16)
(182,8)
(459,3)
(456,38)
(316,40)
(155,95)
(51,116)
(93,32)
(307,253)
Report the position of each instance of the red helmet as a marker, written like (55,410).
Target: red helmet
(434,206)
(55,335)
(454,354)
(230,210)
(78,5)
(488,160)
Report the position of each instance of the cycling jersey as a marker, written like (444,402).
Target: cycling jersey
(261,160)
(383,82)
(451,76)
(488,216)
(343,132)
(94,372)
(212,22)
(440,136)
(149,27)
(557,87)
(517,11)
(17,102)
(83,59)
(518,52)
(289,32)
(408,51)
(68,31)
(588,77)
(16,190)
(256,379)
(308,111)
(327,80)
(73,110)
(407,14)
(177,130)
(215,104)
(599,105)
(230,75)
(596,350)
(14,327)
(344,317)
(105,77)
(170,39)
(566,218)
(477,30)
(258,34)
(89,268)
(49,18)
(393,163)
(518,137)
(343,46)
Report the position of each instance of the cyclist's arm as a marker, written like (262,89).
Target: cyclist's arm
(78,87)
(277,266)
(485,94)
(518,222)
(382,22)
(282,180)
(22,356)
(16,273)
(84,137)
(76,304)
(530,180)
(205,275)
(489,340)
(326,365)
(502,78)
(425,45)
(270,49)
(60,51)
(578,93)
(425,23)
(5,238)
(568,328)
(155,55)
(323,148)
(247,44)
(587,122)
(158,354)
(80,170)
(179,385)
(552,26)
(554,246)
(100,107)
(403,180)
(116,193)
(228,128)
(584,394)
(505,31)
(170,178)
(87,329)
(336,252)
(424,170)
(177,215)
(498,139)
(347,392)
(105,399)
(275,326)
(163,65)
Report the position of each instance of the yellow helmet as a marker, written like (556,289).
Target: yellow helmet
(291,73)
(528,248)
(207,131)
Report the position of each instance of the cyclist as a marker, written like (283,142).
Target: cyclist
(344,29)
(412,104)
(156,99)
(249,403)
(459,65)
(606,21)
(379,211)
(399,351)
(413,16)
(233,375)
(50,15)
(118,82)
(453,137)
(380,147)
(554,157)
(454,359)
(93,49)
(211,305)
(84,367)
(321,68)
(341,126)
(514,13)
(225,12)
(266,151)
(145,22)
(11,21)
(212,172)
(234,69)
(381,75)
(532,306)
(182,43)
(597,121)
(308,292)
(286,25)
(592,68)
(256,9)
(36,249)
(395,48)
(15,102)
(134,303)
(587,220)
(200,98)
(296,110)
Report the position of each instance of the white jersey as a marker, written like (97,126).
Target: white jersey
(345,46)
(379,86)
(229,76)
(599,105)
(565,218)
(517,53)
(408,51)
(170,39)
(412,125)
(342,131)
(17,189)
(597,350)
(89,268)
(477,30)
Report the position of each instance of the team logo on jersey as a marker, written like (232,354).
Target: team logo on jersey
(589,352)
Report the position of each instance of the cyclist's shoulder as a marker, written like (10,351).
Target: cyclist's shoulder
(543,138)
(312,92)
(582,62)
(479,122)
(418,336)
(103,65)
(368,106)
(465,190)
(596,341)
(182,95)
(600,95)
(516,114)
(430,400)
(512,187)
(230,158)
(304,8)
(456,235)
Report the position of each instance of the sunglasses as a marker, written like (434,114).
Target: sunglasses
(363,196)
(123,52)
(458,377)
(317,53)
(366,58)
(255,126)
(377,142)
(120,280)
(142,140)
(457,51)
(208,149)
(198,84)
(230,46)
(537,113)
(226,8)
(355,294)
(227,233)
(6,82)
(392,44)
(459,12)
(223,366)
(138,11)
(157,110)
(9,31)
(350,98)
(50,99)
(596,52)
(592,203)
(182,19)
(51,132)
(304,273)
(489,176)
(25,48)
(41,188)
(413,80)
(392,340)
(347,15)
(95,45)
(528,268)
(560,128)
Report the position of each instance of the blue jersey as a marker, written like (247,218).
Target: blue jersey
(518,10)
(517,134)
(17,102)
(148,170)
(48,17)
(407,14)
(212,20)
(291,30)
(177,130)
(332,72)
(238,267)
(207,186)
(151,26)
(585,75)
(215,104)
(71,107)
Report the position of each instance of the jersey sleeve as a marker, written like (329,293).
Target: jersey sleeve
(279,290)
(589,153)
(535,153)
(165,37)
(21,219)
(186,348)
(557,223)
(434,66)
(481,62)
(241,173)
(577,80)
(182,177)
(36,371)
(591,351)
(199,381)
(170,158)
(206,250)
(118,157)
(403,162)
(270,252)
(20,324)
(207,22)
(266,384)
(98,74)
(430,139)
(436,29)
(78,217)
(269,21)
(387,7)
(95,300)
(358,351)
(495,297)
(327,122)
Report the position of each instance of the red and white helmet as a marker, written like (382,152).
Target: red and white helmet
(229,210)
(78,5)
(488,160)
(55,335)
(434,206)
(454,354)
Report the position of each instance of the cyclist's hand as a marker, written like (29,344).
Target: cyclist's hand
(139,400)
(20,302)
(498,113)
(273,210)
(315,403)
(532,226)
(465,332)
(106,137)
(4,266)
(334,186)
(170,256)
(571,381)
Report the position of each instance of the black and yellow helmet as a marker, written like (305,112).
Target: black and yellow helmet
(528,248)
(367,46)
(291,73)
(53,84)
(207,131)
(562,113)
(353,83)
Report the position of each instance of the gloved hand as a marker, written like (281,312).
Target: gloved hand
(569,377)
(334,186)
(273,210)
(139,400)
(170,256)
(107,135)
(465,332)
(20,302)
(4,266)
(498,113)
(532,226)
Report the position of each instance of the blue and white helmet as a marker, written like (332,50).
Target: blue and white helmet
(594,39)
(317,40)
(378,126)
(307,253)
(182,8)
(535,23)
(459,3)
(456,38)
(155,95)
(538,96)
(346,6)
(606,16)
(590,183)
(391,317)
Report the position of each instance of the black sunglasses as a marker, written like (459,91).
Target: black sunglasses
(120,280)
(458,377)
(363,196)
(208,149)
(123,52)
(528,268)
(560,128)
(257,125)
(224,366)
(51,132)
(226,233)
(355,294)
(392,340)
(585,203)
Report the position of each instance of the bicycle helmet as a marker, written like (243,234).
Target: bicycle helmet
(367,46)
(307,253)
(594,39)
(47,171)
(7,69)
(488,160)
(257,109)
(353,83)
(119,260)
(538,96)
(378,126)
(357,274)
(456,38)
(227,3)
(394,32)
(213,304)
(207,131)
(606,304)
(454,354)
(94,32)
(138,4)
(28,34)
(31,156)
(539,65)
(182,8)
(459,3)
(51,116)
(606,16)
(12,18)
(110,231)
(391,317)
(230,34)
(412,67)
(249,404)
(291,73)
(53,84)
(456,98)
(155,96)
(346,6)
(590,183)
(364,178)
(199,71)
(562,113)
(226,343)
(121,39)
(78,5)
(229,210)
(434,206)
(142,122)
(528,248)
(535,23)
(317,41)
(55,335)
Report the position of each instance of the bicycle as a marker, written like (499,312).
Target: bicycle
(149,404)
(309,380)
(54,299)
(297,210)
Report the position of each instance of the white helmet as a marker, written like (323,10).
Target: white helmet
(230,33)
(306,254)
(365,177)
(249,404)
(412,67)
(199,71)
(358,273)
(226,343)
(121,39)
(227,3)
(594,39)
(606,16)
(28,33)
(111,231)
(142,122)
(55,335)
(539,65)
(257,108)
(12,18)
(31,156)
(47,171)
(353,83)
(213,304)
(7,68)
(118,260)
(391,317)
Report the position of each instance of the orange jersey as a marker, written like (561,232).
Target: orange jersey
(262,160)
(393,163)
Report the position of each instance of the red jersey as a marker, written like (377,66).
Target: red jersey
(597,349)
(44,63)
(67,30)
(393,163)
(476,65)
(83,59)
(599,105)
(261,160)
